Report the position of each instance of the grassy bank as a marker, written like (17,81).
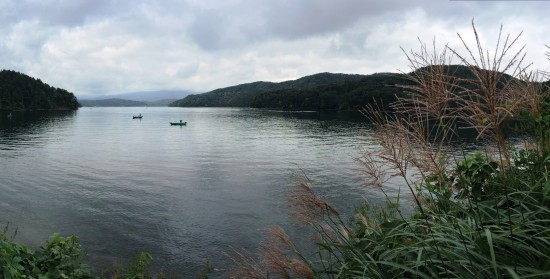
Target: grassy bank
(477,215)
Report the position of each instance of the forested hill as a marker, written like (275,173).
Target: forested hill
(21,92)
(323,91)
(259,94)
(342,95)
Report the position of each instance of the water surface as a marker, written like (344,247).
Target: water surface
(184,194)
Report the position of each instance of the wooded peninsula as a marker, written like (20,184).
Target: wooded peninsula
(21,92)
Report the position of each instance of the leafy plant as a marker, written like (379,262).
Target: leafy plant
(473,176)
(480,216)
(59,257)
(136,270)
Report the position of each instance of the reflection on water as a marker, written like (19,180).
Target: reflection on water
(22,128)
(184,194)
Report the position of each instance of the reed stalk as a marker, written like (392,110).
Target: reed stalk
(476,216)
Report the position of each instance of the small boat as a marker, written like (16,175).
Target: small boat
(178,123)
(137,116)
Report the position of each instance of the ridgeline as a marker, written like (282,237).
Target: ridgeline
(21,92)
(324,91)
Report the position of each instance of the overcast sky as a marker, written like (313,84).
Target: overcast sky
(101,47)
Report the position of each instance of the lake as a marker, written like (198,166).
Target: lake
(184,194)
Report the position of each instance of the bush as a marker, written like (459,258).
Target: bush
(58,258)
(476,216)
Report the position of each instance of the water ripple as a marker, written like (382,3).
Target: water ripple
(184,194)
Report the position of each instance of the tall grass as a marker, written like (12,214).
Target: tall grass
(479,215)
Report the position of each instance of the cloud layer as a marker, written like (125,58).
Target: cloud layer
(101,47)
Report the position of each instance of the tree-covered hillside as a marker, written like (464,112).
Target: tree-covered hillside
(21,92)
(243,95)
(323,91)
(347,95)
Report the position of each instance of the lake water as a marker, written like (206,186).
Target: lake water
(184,194)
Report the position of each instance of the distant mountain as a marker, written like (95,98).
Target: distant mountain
(315,92)
(21,92)
(145,96)
(324,91)
(243,95)
(113,102)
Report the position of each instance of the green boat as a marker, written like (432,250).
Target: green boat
(178,123)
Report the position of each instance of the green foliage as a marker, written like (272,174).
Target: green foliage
(21,92)
(502,235)
(473,176)
(58,258)
(137,270)
(14,259)
(488,216)
(538,125)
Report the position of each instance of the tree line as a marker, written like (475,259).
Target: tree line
(324,91)
(21,92)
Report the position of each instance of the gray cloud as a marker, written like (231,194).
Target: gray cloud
(210,31)
(56,12)
(296,19)
(113,46)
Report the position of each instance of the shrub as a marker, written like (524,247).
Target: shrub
(476,216)
(59,258)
